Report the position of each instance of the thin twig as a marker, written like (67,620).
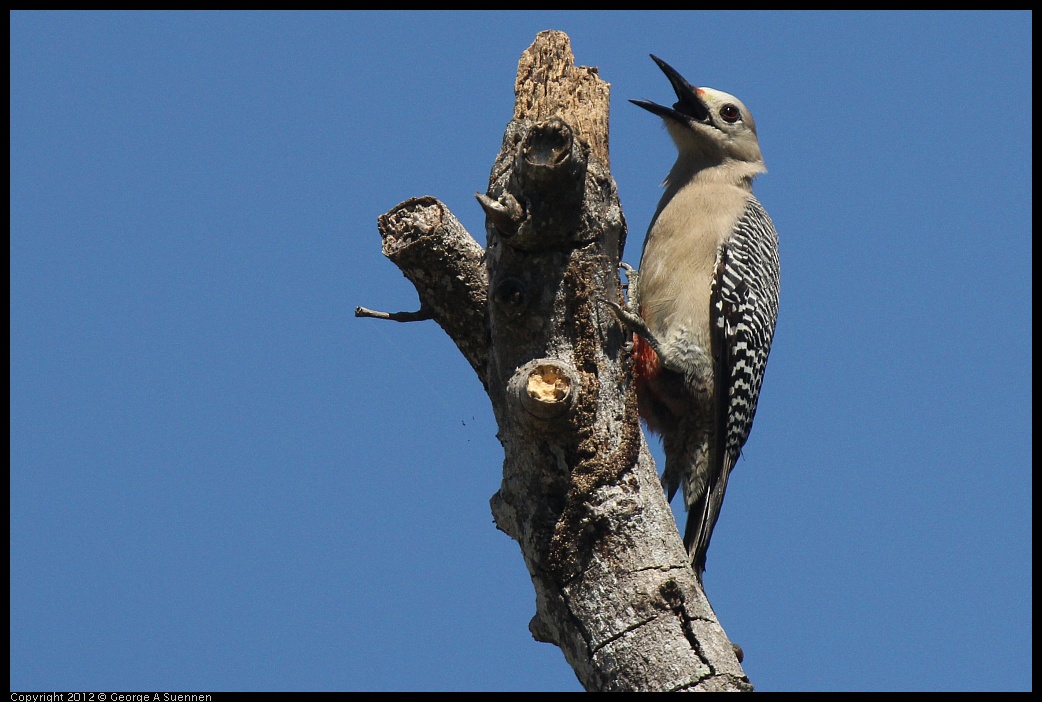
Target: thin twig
(418,316)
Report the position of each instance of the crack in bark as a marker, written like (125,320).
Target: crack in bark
(619,635)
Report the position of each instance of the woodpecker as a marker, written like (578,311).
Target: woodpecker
(704,303)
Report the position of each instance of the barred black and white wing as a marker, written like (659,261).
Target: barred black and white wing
(744,308)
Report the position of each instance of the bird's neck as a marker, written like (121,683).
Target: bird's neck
(698,169)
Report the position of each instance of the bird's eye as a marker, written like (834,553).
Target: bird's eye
(730,113)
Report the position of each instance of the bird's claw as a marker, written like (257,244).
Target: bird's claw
(632,321)
(631,277)
(636,324)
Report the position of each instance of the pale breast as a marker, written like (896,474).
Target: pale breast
(680,254)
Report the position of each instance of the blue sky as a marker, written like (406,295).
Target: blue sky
(222,480)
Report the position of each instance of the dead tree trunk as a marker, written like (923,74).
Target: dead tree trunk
(614,588)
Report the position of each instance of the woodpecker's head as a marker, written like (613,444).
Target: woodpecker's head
(709,126)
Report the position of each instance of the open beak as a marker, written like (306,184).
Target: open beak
(688,107)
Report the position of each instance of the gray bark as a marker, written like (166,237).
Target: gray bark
(580,494)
